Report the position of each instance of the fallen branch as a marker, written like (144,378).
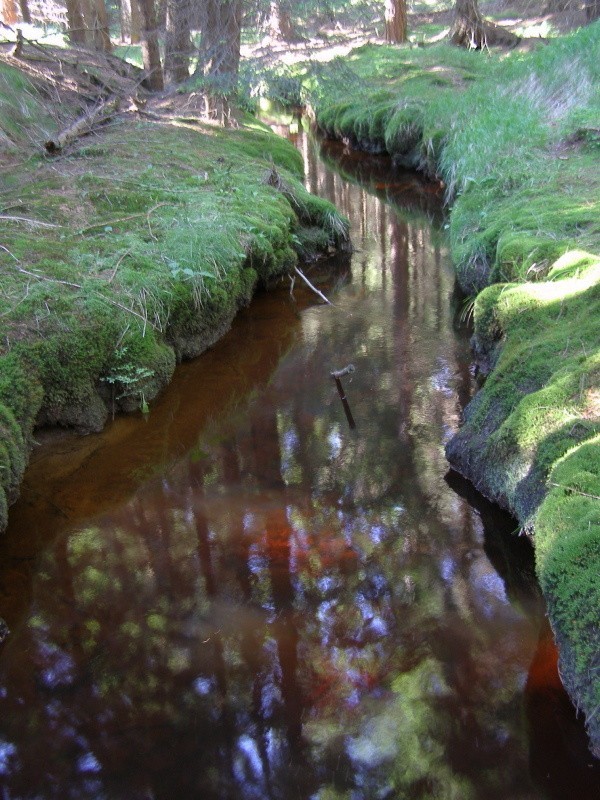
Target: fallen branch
(110,222)
(29,221)
(118,264)
(82,126)
(575,491)
(50,280)
(145,320)
(6,250)
(314,288)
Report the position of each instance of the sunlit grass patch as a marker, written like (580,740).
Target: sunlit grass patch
(132,53)
(515,140)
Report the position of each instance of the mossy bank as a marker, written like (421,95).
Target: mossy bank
(128,253)
(515,137)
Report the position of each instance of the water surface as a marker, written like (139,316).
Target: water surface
(242,596)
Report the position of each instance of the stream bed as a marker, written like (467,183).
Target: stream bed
(250,593)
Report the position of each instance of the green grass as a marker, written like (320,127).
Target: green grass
(131,252)
(131,53)
(515,138)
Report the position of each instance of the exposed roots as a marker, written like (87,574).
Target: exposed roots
(476,33)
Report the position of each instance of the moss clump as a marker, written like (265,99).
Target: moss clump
(115,265)
(530,441)
(23,112)
(512,137)
(567,554)
(515,140)
(13,460)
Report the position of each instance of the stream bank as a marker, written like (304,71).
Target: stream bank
(130,252)
(514,140)
(298,608)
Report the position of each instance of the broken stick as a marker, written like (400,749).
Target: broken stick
(339,373)
(336,375)
(82,126)
(314,288)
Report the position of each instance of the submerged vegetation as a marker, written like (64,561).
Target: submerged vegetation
(515,139)
(129,253)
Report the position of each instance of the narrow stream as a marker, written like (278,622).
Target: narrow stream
(242,596)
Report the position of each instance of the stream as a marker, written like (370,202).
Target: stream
(242,595)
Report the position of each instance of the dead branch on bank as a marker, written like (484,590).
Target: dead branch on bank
(82,126)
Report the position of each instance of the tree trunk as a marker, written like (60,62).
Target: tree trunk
(472,31)
(75,23)
(395,21)
(219,51)
(161,14)
(96,27)
(592,10)
(101,27)
(178,42)
(9,12)
(150,48)
(280,21)
(131,23)
(468,29)
(25,12)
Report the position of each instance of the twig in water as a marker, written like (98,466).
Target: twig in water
(339,373)
(336,375)
(314,288)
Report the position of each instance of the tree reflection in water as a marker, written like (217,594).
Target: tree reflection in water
(295,609)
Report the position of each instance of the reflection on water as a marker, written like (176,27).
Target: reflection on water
(243,597)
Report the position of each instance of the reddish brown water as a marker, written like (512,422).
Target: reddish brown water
(241,596)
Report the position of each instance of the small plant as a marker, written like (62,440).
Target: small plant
(127,380)
(467,311)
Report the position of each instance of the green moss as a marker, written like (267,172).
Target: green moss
(531,441)
(515,141)
(21,109)
(567,556)
(167,247)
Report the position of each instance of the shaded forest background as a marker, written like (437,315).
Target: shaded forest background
(199,42)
